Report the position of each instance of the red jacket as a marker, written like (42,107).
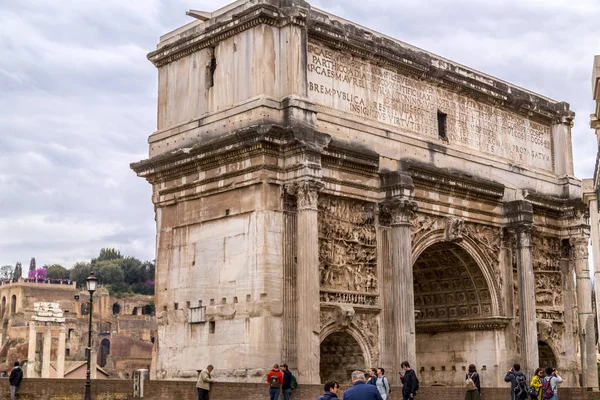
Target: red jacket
(276,373)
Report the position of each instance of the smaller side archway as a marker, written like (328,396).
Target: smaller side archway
(3,310)
(342,351)
(116,309)
(546,355)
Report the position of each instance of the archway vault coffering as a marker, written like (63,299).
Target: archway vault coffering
(453,280)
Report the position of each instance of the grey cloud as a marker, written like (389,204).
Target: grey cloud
(78,100)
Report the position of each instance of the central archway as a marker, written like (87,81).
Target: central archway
(340,355)
(454,309)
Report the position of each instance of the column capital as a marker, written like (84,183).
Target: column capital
(306,192)
(401,210)
(579,246)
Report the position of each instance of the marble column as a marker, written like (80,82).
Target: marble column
(308,282)
(401,212)
(60,355)
(526,289)
(587,330)
(31,349)
(46,351)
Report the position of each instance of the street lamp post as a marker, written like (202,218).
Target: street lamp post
(91,283)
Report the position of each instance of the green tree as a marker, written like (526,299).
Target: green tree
(109,272)
(133,270)
(107,254)
(79,272)
(57,271)
(6,272)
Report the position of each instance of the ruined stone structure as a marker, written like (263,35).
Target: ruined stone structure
(333,198)
(45,327)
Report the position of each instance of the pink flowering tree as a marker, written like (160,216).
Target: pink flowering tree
(39,274)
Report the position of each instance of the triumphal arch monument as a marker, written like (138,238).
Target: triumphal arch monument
(335,199)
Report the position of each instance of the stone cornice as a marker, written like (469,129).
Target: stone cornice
(455,183)
(472,324)
(215,33)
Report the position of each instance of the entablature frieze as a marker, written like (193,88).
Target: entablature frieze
(456,183)
(471,324)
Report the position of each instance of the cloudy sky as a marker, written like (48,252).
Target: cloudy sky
(78,100)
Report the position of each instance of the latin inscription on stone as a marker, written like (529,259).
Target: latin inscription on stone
(349,84)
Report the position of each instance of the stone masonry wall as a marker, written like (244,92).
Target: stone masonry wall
(73,389)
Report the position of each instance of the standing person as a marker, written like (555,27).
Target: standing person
(360,390)
(518,383)
(550,384)
(410,383)
(473,384)
(274,379)
(16,376)
(331,390)
(536,383)
(382,384)
(372,377)
(286,385)
(203,383)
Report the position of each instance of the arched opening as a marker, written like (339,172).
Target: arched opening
(104,352)
(135,311)
(85,308)
(146,310)
(3,306)
(13,304)
(546,355)
(340,355)
(116,309)
(453,309)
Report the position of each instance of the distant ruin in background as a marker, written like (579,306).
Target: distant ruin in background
(335,199)
(45,327)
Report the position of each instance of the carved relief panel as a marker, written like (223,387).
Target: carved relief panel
(547,254)
(347,245)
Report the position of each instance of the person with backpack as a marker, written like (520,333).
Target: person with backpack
(286,386)
(518,383)
(274,379)
(550,384)
(473,384)
(382,384)
(331,389)
(535,387)
(410,383)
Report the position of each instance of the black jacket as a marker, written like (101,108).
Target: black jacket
(409,383)
(287,380)
(16,376)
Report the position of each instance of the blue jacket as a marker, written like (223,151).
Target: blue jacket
(328,396)
(362,391)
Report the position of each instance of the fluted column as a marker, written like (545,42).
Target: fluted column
(401,212)
(31,349)
(60,356)
(587,330)
(527,315)
(46,351)
(307,280)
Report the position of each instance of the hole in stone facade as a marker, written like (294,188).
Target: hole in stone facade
(211,327)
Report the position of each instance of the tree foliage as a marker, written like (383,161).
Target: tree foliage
(57,271)
(118,273)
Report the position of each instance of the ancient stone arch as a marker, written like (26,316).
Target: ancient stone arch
(485,258)
(341,352)
(547,355)
(13,304)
